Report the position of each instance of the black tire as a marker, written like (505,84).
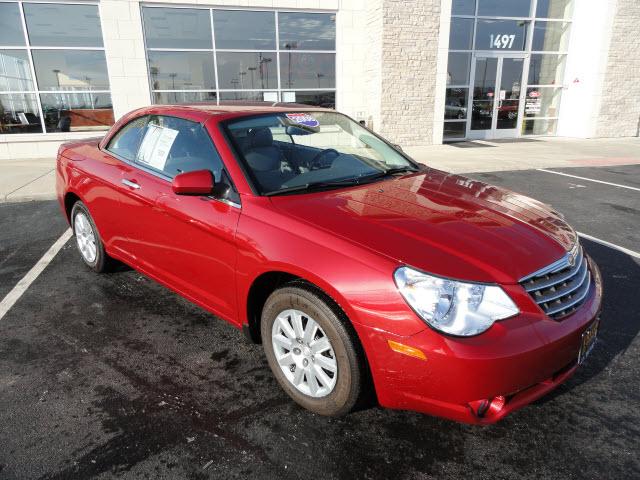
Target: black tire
(345,346)
(102,262)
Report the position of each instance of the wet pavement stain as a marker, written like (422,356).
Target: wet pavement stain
(143,427)
(623,208)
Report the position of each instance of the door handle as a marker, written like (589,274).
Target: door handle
(131,184)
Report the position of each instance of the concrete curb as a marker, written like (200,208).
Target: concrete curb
(27,198)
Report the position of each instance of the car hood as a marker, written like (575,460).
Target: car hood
(445,224)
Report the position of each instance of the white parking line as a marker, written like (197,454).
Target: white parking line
(610,245)
(589,179)
(21,287)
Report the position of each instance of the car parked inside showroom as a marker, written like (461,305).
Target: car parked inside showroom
(359,270)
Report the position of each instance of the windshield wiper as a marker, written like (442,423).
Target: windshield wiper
(393,171)
(308,187)
(406,168)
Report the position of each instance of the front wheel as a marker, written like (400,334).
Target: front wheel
(88,239)
(311,351)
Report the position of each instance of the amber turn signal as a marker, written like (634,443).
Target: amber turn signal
(406,350)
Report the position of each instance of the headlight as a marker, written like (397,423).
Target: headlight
(453,307)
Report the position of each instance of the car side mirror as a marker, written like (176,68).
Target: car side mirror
(198,182)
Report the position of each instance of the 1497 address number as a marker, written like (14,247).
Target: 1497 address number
(502,41)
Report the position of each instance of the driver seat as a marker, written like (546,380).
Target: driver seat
(261,154)
(265,159)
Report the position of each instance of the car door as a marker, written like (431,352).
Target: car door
(108,195)
(188,242)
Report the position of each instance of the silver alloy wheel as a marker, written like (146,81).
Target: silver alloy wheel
(304,353)
(85,237)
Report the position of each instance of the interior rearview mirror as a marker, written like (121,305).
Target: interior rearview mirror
(291,130)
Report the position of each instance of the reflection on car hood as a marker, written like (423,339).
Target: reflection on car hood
(441,223)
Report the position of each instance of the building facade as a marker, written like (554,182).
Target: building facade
(417,71)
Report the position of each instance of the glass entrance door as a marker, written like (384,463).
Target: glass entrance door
(497,92)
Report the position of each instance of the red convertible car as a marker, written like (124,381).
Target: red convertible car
(361,271)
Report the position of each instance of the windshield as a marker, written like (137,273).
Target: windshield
(298,151)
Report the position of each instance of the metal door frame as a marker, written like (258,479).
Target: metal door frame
(493,132)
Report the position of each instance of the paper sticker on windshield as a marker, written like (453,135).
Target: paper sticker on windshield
(156,145)
(303,119)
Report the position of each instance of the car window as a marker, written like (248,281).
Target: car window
(286,150)
(126,142)
(172,145)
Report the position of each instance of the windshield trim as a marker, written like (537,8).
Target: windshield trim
(320,186)
(255,186)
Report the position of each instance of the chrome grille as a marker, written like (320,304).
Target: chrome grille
(562,287)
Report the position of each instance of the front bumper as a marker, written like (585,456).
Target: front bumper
(481,379)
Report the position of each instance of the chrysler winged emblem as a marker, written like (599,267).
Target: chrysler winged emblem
(571,259)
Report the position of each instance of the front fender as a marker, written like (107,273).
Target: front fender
(359,281)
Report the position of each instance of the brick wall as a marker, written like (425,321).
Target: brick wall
(620,104)
(351,42)
(410,34)
(372,53)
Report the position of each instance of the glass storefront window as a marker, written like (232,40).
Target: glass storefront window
(247,70)
(307,70)
(58,25)
(11,34)
(19,114)
(307,31)
(546,69)
(501,35)
(511,78)
(455,104)
(71,69)
(550,36)
(504,8)
(463,7)
(542,102)
(238,29)
(539,127)
(248,96)
(458,68)
(242,63)
(165,98)
(561,9)
(15,72)
(57,81)
(484,92)
(484,86)
(507,79)
(321,99)
(76,111)
(453,130)
(177,28)
(181,70)
(461,34)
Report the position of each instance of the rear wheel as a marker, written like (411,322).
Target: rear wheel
(311,351)
(88,239)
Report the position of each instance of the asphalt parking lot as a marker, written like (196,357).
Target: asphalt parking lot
(113,375)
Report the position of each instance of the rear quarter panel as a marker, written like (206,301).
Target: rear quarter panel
(94,176)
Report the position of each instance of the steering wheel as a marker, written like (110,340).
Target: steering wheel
(314,163)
